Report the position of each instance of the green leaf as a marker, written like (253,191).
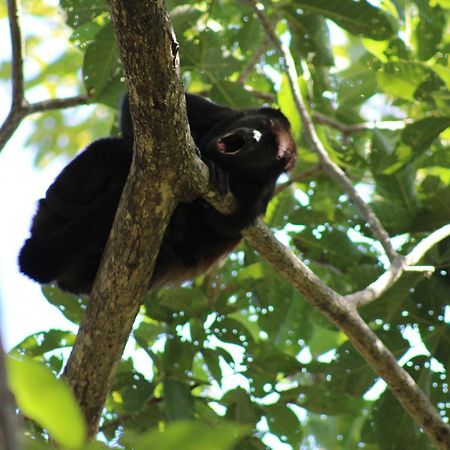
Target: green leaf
(178,399)
(71,306)
(270,361)
(177,357)
(286,103)
(191,301)
(211,358)
(349,371)
(233,331)
(240,408)
(360,18)
(421,134)
(394,428)
(396,203)
(101,64)
(310,35)
(233,95)
(357,83)
(30,443)
(284,423)
(333,246)
(176,304)
(189,435)
(47,400)
(39,343)
(250,36)
(324,340)
(443,72)
(136,393)
(402,78)
(435,210)
(82,11)
(253,271)
(323,399)
(214,65)
(429,30)
(148,332)
(184,17)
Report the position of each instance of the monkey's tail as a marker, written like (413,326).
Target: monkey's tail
(37,262)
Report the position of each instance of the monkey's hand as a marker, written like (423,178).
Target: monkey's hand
(218,177)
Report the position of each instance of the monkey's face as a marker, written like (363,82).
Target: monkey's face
(254,144)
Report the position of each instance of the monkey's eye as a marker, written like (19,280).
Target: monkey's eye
(255,136)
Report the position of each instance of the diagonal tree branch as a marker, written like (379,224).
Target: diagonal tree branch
(332,169)
(344,315)
(245,73)
(335,307)
(399,265)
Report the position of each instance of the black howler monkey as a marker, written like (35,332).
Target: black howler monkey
(246,151)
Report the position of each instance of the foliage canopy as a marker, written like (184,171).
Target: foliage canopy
(240,349)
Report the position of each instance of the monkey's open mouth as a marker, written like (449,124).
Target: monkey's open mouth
(231,143)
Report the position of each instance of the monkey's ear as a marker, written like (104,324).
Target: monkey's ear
(203,114)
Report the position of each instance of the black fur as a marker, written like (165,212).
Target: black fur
(246,151)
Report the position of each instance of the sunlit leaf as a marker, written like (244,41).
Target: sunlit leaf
(286,103)
(360,18)
(47,400)
(190,436)
(419,135)
(71,306)
(39,343)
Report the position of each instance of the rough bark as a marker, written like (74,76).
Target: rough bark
(149,197)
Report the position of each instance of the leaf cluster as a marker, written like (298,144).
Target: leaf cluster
(238,359)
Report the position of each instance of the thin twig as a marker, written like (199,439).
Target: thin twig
(399,265)
(16,50)
(390,125)
(254,60)
(19,111)
(56,103)
(428,270)
(332,169)
(266,96)
(425,244)
(19,106)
